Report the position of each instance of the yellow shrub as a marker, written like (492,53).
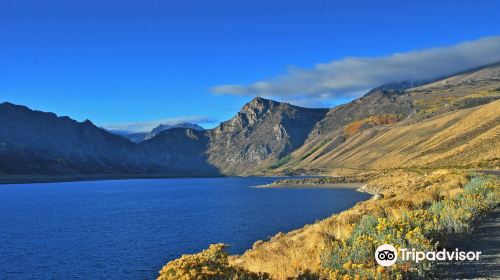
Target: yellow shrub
(210,264)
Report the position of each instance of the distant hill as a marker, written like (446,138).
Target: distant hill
(142,136)
(449,122)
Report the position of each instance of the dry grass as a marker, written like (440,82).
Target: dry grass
(418,208)
(358,125)
(285,255)
(466,138)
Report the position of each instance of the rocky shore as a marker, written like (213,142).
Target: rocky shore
(358,182)
(322,180)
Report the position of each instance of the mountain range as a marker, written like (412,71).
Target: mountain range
(138,137)
(450,122)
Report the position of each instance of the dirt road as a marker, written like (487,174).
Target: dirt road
(485,237)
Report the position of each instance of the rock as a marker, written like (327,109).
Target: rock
(323,180)
(378,196)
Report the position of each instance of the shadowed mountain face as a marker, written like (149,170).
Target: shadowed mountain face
(434,124)
(177,151)
(33,142)
(38,143)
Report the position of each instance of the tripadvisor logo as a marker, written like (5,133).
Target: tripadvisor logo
(387,255)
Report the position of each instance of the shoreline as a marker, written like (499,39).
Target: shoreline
(38,179)
(355,186)
(34,179)
(358,183)
(397,192)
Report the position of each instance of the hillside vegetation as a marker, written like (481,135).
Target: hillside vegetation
(453,122)
(419,210)
(464,139)
(418,148)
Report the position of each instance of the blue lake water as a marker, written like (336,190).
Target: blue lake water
(128,229)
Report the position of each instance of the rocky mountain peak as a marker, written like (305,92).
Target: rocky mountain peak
(256,109)
(260,104)
(258,99)
(88,122)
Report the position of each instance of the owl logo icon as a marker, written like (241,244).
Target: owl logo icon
(386,255)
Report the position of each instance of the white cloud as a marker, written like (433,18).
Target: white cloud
(352,76)
(145,126)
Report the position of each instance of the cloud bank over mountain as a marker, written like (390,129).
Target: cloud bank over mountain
(352,76)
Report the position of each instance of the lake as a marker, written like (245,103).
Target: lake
(128,229)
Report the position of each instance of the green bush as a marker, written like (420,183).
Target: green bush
(420,229)
(282,161)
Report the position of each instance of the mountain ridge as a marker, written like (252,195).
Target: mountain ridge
(264,137)
(411,106)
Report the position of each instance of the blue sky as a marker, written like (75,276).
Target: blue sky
(116,62)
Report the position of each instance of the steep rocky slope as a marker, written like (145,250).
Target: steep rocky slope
(262,132)
(391,120)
